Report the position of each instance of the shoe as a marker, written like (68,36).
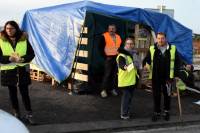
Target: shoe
(114,92)
(17,114)
(125,117)
(104,94)
(155,117)
(166,115)
(29,119)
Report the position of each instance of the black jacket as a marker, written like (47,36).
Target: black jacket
(161,64)
(101,46)
(20,74)
(122,60)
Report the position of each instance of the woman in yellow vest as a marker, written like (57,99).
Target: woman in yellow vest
(127,74)
(15,54)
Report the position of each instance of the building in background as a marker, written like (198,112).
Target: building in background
(162,9)
(196,44)
(196,51)
(1,28)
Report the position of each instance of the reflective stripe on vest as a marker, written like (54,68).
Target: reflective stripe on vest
(186,73)
(172,60)
(111,46)
(126,78)
(7,50)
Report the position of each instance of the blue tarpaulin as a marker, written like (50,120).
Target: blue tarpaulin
(54,31)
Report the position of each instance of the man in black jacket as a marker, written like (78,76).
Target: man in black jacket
(163,62)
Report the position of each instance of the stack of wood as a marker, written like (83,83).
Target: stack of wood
(36,73)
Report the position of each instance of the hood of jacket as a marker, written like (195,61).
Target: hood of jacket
(123,51)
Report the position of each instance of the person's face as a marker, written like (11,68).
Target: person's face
(161,40)
(10,30)
(129,45)
(111,29)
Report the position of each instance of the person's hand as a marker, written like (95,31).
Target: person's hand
(16,55)
(188,67)
(15,58)
(12,59)
(125,67)
(20,60)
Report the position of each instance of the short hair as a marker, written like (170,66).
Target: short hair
(112,25)
(130,38)
(161,33)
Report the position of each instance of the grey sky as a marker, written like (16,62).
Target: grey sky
(186,11)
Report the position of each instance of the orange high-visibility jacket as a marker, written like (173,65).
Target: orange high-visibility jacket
(111,46)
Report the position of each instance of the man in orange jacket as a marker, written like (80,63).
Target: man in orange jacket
(109,43)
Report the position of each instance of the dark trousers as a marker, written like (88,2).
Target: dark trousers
(25,97)
(109,80)
(127,95)
(159,86)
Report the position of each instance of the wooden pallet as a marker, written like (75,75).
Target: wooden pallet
(145,79)
(37,75)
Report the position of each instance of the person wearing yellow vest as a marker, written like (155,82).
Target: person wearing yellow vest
(15,55)
(163,62)
(186,75)
(127,75)
(109,43)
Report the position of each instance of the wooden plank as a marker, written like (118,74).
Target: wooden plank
(34,67)
(85,30)
(196,56)
(84,41)
(142,50)
(79,76)
(142,39)
(196,60)
(53,82)
(81,66)
(82,53)
(37,75)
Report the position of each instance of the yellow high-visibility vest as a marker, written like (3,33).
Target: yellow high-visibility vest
(7,50)
(172,60)
(126,78)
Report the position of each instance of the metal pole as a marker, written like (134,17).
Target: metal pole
(179,103)
(192,89)
(161,7)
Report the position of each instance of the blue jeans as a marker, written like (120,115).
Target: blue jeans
(127,95)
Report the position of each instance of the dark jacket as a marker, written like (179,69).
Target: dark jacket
(122,60)
(161,64)
(101,45)
(20,74)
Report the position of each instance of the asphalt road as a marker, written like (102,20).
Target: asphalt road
(180,129)
(54,105)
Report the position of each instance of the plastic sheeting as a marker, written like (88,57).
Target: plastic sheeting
(53,32)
